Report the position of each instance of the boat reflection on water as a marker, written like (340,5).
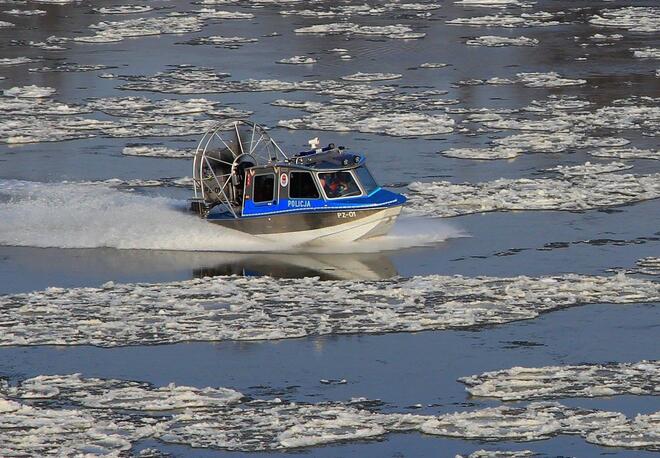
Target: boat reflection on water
(363,266)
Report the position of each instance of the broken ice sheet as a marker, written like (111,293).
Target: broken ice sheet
(28,92)
(633,18)
(149,150)
(124,9)
(112,31)
(552,382)
(17,60)
(591,189)
(488,153)
(75,413)
(348,28)
(297,60)
(70,67)
(588,168)
(359,76)
(221,41)
(495,3)
(539,19)
(497,41)
(183,311)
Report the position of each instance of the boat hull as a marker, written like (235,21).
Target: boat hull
(317,227)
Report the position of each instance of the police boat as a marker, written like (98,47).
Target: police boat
(244,181)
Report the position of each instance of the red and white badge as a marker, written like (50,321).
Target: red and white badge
(284,180)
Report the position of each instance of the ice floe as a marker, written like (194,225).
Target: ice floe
(552,382)
(540,19)
(550,79)
(237,308)
(17,12)
(124,9)
(482,153)
(107,416)
(359,76)
(297,60)
(495,3)
(590,169)
(220,41)
(210,13)
(390,31)
(592,189)
(646,53)
(632,18)
(149,150)
(16,60)
(421,10)
(5,24)
(30,119)
(497,41)
(433,65)
(499,454)
(70,67)
(112,31)
(29,92)
(626,153)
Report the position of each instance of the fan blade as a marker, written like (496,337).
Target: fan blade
(238,141)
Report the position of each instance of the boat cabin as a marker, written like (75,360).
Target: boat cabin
(310,181)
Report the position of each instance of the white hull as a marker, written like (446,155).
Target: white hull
(373,225)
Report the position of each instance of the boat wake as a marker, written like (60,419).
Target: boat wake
(86,215)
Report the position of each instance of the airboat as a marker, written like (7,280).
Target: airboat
(245,182)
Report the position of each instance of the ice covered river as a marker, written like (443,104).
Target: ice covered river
(512,311)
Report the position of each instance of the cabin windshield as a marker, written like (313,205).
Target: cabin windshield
(368,182)
(339,184)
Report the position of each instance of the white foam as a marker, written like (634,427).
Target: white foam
(497,41)
(86,216)
(5,24)
(551,382)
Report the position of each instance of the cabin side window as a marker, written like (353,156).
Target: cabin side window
(302,186)
(339,184)
(264,188)
(368,182)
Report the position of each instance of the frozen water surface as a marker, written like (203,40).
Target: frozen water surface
(524,267)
